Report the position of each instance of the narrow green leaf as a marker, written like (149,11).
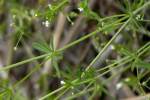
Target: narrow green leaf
(42,46)
(143,64)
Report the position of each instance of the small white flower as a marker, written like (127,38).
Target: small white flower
(72,93)
(80,9)
(119,85)
(72,23)
(62,82)
(138,17)
(46,23)
(15,48)
(144,83)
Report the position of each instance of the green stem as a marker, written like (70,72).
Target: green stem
(46,96)
(32,71)
(142,7)
(23,62)
(61,4)
(107,45)
(78,41)
(62,93)
(89,80)
(59,50)
(111,65)
(113,16)
(80,93)
(114,37)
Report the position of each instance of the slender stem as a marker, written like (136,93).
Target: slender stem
(32,71)
(62,93)
(59,50)
(23,62)
(111,65)
(79,83)
(107,45)
(144,51)
(120,62)
(113,16)
(79,40)
(106,81)
(79,94)
(143,47)
(142,7)
(46,96)
(130,59)
(114,37)
(45,55)
(61,4)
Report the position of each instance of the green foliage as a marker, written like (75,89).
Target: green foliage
(42,46)
(87,12)
(143,64)
(79,81)
(51,11)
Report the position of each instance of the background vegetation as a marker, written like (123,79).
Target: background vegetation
(74,49)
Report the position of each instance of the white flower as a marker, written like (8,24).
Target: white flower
(119,85)
(46,23)
(62,82)
(72,93)
(15,48)
(139,17)
(80,9)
